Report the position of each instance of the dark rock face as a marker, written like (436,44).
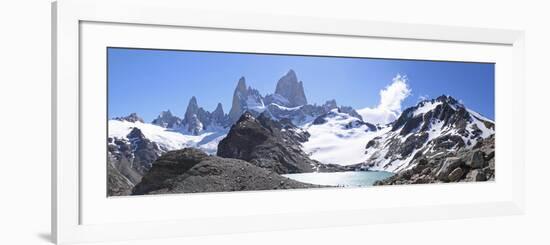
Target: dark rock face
(128,160)
(190,170)
(133,117)
(167,120)
(117,184)
(449,111)
(289,88)
(411,143)
(268,144)
(120,156)
(145,151)
(466,165)
(218,117)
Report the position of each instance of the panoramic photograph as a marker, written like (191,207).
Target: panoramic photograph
(204,121)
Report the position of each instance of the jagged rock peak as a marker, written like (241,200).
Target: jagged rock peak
(449,100)
(445,100)
(167,113)
(218,116)
(241,85)
(290,88)
(444,108)
(219,109)
(135,134)
(196,118)
(192,109)
(193,102)
(167,120)
(133,117)
(245,99)
(330,104)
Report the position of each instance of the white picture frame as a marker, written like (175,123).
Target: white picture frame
(70,199)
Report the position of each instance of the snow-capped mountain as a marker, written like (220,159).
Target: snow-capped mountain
(433,127)
(288,102)
(168,139)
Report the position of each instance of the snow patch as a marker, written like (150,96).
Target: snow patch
(337,143)
(170,139)
(426,107)
(286,108)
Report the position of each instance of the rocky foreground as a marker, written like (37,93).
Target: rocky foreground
(466,165)
(190,171)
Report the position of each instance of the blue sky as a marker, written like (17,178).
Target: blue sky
(150,81)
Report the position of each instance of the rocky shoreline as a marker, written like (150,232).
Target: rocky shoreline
(477,164)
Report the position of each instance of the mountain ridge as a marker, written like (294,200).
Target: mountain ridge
(296,137)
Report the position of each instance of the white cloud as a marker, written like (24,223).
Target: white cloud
(389,107)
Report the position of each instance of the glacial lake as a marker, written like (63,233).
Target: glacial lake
(347,179)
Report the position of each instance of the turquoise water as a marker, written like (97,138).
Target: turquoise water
(351,179)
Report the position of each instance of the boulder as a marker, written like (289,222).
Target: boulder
(448,166)
(475,175)
(476,160)
(455,175)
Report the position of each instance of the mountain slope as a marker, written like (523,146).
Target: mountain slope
(133,146)
(168,139)
(338,138)
(433,127)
